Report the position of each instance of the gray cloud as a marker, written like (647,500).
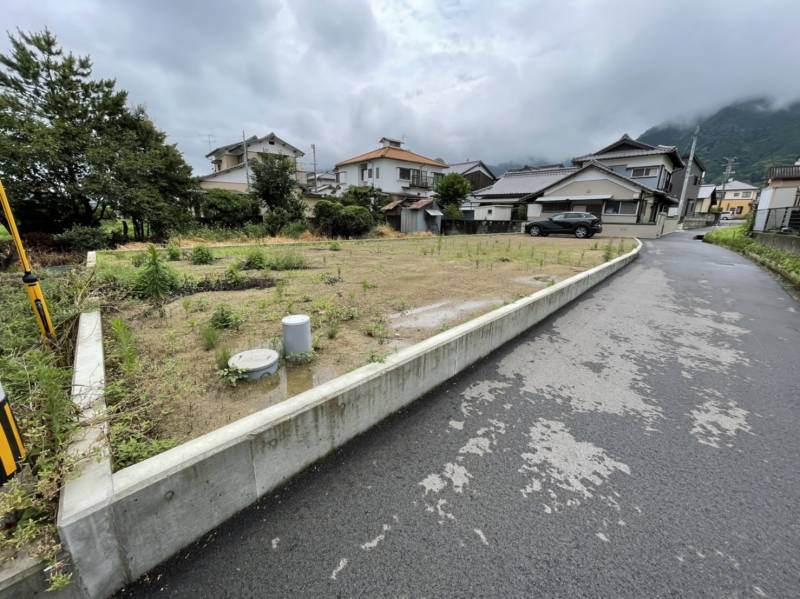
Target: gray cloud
(460,78)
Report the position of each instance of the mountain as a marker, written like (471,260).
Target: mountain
(754,131)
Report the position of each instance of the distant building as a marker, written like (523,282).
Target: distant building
(736,197)
(706,198)
(228,162)
(392,169)
(779,202)
(475,171)
(696,171)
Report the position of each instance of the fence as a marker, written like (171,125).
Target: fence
(783,220)
(698,221)
(471,227)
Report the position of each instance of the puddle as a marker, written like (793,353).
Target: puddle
(288,382)
(432,316)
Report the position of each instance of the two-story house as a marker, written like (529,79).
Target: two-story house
(737,197)
(626,183)
(406,177)
(475,171)
(231,169)
(779,201)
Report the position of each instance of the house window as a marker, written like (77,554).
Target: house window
(617,207)
(736,194)
(745,194)
(377,172)
(738,209)
(369,173)
(404,173)
(364,173)
(647,171)
(696,180)
(556,207)
(489,211)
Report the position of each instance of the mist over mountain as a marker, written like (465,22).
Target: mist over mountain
(755,132)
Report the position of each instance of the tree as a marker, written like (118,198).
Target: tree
(452,189)
(72,153)
(275,187)
(347,221)
(151,183)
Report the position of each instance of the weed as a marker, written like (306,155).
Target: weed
(377,329)
(234,275)
(126,352)
(366,285)
(201,255)
(375,357)
(608,251)
(222,356)
(209,336)
(280,289)
(156,280)
(335,246)
(137,259)
(333,329)
(300,358)
(290,260)
(231,376)
(330,279)
(225,318)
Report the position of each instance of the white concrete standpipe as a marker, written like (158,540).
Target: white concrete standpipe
(296,334)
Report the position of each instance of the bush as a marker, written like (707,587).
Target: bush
(83,239)
(295,229)
(255,260)
(225,318)
(223,208)
(201,255)
(354,221)
(325,214)
(156,280)
(173,252)
(275,221)
(453,212)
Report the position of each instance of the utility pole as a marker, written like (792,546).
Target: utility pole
(246,163)
(314,163)
(729,170)
(687,171)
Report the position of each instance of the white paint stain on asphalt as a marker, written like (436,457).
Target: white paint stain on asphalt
(433,483)
(559,461)
(458,475)
(339,568)
(370,545)
(715,419)
(477,445)
(601,536)
(481,536)
(275,542)
(457,424)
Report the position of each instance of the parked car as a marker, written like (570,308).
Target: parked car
(725,216)
(581,224)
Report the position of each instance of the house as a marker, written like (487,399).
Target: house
(316,180)
(737,197)
(511,190)
(696,171)
(414,215)
(779,202)
(396,171)
(230,169)
(706,198)
(475,171)
(487,212)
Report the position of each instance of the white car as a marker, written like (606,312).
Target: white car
(725,216)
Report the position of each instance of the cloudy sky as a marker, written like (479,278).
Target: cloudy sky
(501,80)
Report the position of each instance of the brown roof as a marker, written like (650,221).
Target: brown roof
(421,203)
(393,204)
(394,153)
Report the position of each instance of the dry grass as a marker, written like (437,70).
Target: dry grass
(375,283)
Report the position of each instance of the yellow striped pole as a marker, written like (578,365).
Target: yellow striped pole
(12,451)
(32,286)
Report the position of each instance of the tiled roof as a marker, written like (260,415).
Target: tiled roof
(524,183)
(421,203)
(394,154)
(705,191)
(738,186)
(627,154)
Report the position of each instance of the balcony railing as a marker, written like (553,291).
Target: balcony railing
(418,179)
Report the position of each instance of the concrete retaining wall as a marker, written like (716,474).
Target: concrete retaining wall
(147,512)
(787,243)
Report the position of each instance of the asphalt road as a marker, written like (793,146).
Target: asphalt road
(643,442)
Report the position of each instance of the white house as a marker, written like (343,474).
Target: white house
(779,202)
(392,169)
(228,162)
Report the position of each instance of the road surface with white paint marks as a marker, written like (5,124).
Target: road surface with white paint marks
(642,442)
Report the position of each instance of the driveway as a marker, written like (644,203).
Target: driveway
(642,442)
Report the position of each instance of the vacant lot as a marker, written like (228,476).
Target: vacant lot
(365,299)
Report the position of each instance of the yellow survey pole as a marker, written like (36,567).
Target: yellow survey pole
(32,287)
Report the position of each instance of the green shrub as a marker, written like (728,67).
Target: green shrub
(173,252)
(156,281)
(225,318)
(228,209)
(234,275)
(288,260)
(137,259)
(295,229)
(255,260)
(83,239)
(276,220)
(353,221)
(209,336)
(201,255)
(335,246)
(254,231)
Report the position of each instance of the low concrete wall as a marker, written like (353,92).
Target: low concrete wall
(787,243)
(641,231)
(151,510)
(699,222)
